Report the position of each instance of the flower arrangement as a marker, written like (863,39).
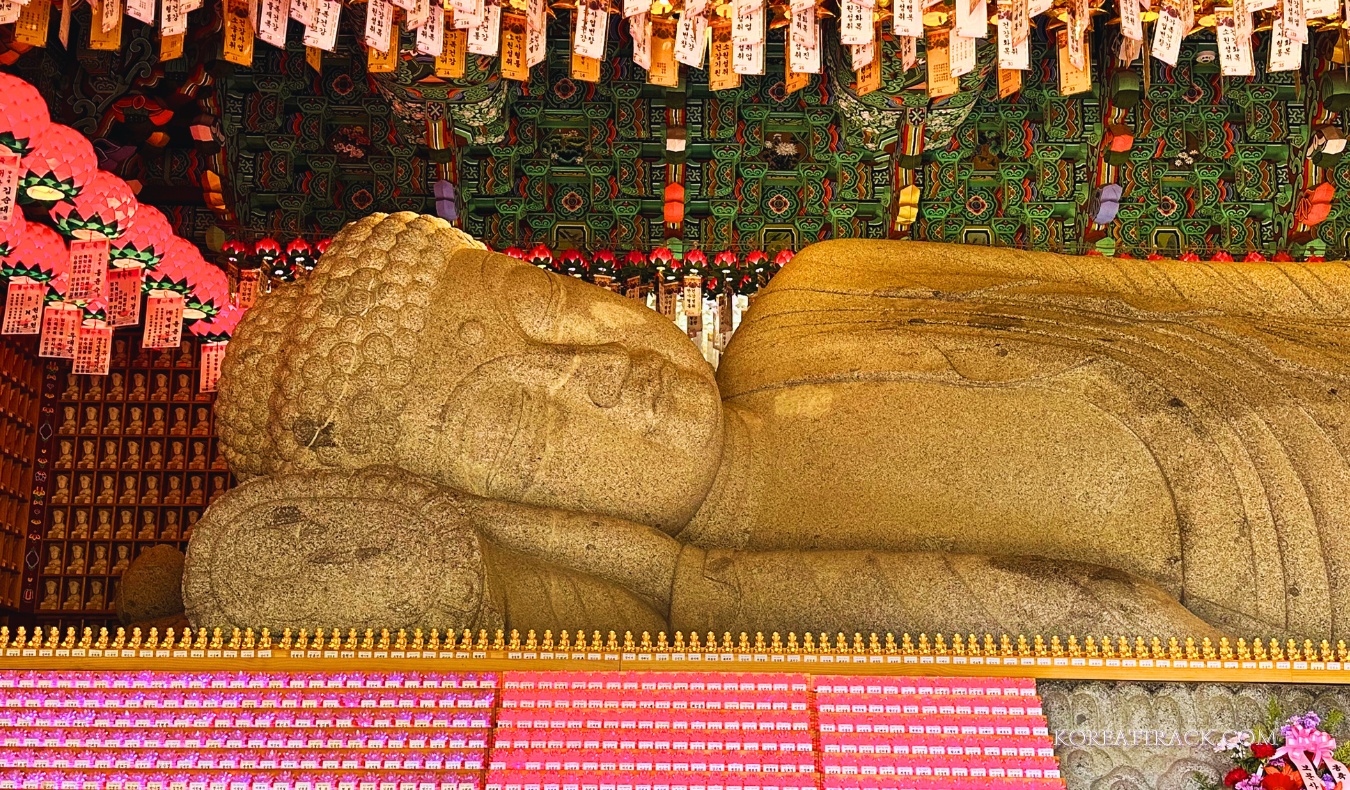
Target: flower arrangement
(1293,753)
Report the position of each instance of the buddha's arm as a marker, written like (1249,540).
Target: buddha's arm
(866,307)
(933,593)
(636,557)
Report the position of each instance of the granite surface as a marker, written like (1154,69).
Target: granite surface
(151,587)
(901,436)
(1160,736)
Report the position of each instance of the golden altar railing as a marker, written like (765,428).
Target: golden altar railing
(1070,658)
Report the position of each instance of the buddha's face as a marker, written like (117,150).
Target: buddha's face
(566,395)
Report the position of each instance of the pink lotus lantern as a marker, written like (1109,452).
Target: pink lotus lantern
(782,258)
(203,286)
(23,114)
(102,210)
(58,166)
(220,326)
(40,255)
(11,235)
(515,252)
(540,256)
(145,241)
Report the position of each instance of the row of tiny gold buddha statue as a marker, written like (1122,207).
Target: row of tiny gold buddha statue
(969,646)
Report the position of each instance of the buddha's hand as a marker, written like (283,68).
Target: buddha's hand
(377,548)
(934,593)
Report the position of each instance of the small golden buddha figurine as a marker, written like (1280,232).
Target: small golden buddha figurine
(384,640)
(318,639)
(401,643)
(249,643)
(152,639)
(102,643)
(418,644)
(217,641)
(86,638)
(265,639)
(120,640)
(135,639)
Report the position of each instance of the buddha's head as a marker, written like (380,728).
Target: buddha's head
(412,346)
(381,546)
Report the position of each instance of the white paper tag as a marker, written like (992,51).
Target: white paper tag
(379,19)
(1235,54)
(93,349)
(589,34)
(536,34)
(804,42)
(23,307)
(1167,34)
(640,27)
(174,18)
(10,11)
(632,8)
(63,32)
(88,269)
(748,57)
(302,11)
(110,13)
(60,324)
(1261,5)
(1131,24)
(1037,7)
(124,296)
(10,164)
(855,23)
(406,5)
(1012,55)
(863,54)
(273,16)
(963,55)
(972,18)
(1321,9)
(909,51)
(1075,47)
(691,39)
(322,34)
(1295,20)
(1286,54)
(163,319)
(418,16)
(747,23)
(142,10)
(908,18)
(485,38)
(468,14)
(431,36)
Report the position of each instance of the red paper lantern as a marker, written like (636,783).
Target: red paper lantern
(58,166)
(1222,257)
(220,326)
(23,114)
(694,258)
(783,258)
(1254,257)
(102,210)
(635,259)
(11,234)
(41,255)
(203,286)
(674,204)
(145,241)
(1190,257)
(726,259)
(514,252)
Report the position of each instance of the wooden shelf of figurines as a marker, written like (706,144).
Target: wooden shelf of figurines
(20,387)
(134,462)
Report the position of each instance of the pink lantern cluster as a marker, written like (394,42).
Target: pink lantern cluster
(86,214)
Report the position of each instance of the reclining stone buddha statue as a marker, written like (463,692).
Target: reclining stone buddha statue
(900,436)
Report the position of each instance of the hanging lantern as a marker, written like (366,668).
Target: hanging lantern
(695,259)
(541,256)
(23,114)
(184,271)
(662,257)
(299,257)
(272,261)
(236,254)
(40,255)
(1189,257)
(145,241)
(572,263)
(1254,257)
(1222,257)
(514,252)
(102,210)
(11,235)
(219,327)
(782,258)
(724,261)
(57,166)
(321,247)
